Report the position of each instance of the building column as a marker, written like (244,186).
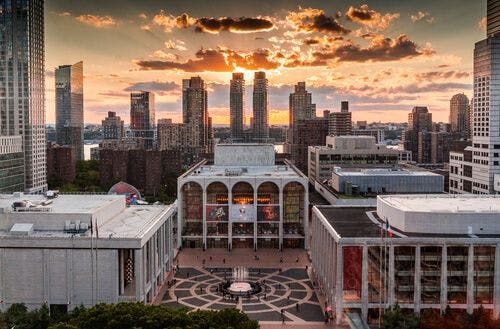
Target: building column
(444,277)
(338,286)
(391,283)
(255,203)
(417,285)
(179,217)
(139,281)
(152,261)
(364,283)
(229,221)
(2,286)
(470,280)
(496,286)
(204,219)
(281,218)
(121,270)
(306,216)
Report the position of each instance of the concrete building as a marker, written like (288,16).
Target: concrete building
(237,106)
(243,200)
(112,127)
(69,107)
(415,138)
(61,163)
(340,123)
(405,180)
(22,94)
(142,117)
(260,110)
(350,151)
(195,112)
(460,115)
(416,251)
(379,134)
(82,249)
(309,132)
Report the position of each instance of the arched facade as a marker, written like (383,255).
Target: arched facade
(294,214)
(217,215)
(192,215)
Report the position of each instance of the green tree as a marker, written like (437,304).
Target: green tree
(394,318)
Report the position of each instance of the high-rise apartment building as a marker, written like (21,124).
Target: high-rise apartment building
(69,107)
(195,111)
(142,116)
(260,110)
(482,159)
(300,108)
(112,127)
(22,96)
(415,138)
(340,123)
(460,115)
(237,106)
(492,17)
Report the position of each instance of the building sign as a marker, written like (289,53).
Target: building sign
(268,213)
(242,212)
(217,213)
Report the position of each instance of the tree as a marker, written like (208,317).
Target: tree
(394,318)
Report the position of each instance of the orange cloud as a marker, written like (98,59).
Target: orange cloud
(482,23)
(97,21)
(422,15)
(310,20)
(371,18)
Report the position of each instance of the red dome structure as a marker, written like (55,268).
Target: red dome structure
(122,188)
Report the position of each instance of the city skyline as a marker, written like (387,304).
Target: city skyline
(391,57)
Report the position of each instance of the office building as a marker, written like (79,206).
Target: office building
(417,251)
(340,123)
(309,132)
(77,250)
(260,110)
(69,107)
(379,134)
(142,116)
(398,180)
(460,115)
(22,95)
(112,127)
(300,109)
(243,200)
(415,138)
(237,106)
(195,112)
(350,151)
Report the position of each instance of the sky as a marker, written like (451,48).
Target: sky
(383,56)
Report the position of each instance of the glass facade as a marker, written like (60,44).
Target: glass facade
(457,274)
(484,274)
(430,274)
(378,260)
(404,274)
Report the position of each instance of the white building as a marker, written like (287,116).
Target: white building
(350,151)
(417,251)
(82,249)
(243,200)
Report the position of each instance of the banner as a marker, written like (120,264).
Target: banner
(268,213)
(242,212)
(217,213)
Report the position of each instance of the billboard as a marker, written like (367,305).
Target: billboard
(268,213)
(243,212)
(217,213)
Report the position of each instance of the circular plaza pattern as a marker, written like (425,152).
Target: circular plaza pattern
(289,291)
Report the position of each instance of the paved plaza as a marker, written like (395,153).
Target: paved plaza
(286,286)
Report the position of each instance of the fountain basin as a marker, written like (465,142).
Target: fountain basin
(240,288)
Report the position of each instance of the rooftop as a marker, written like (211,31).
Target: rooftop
(444,203)
(382,172)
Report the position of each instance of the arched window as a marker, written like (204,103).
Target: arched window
(242,193)
(217,193)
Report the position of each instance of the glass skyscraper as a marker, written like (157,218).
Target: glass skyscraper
(260,111)
(22,96)
(69,107)
(236,106)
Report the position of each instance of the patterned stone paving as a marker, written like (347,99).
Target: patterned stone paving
(196,288)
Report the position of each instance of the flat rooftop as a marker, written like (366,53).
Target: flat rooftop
(444,203)
(387,172)
(84,204)
(276,171)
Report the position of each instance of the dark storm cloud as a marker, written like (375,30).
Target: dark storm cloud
(216,60)
(158,87)
(362,13)
(242,24)
(315,20)
(380,50)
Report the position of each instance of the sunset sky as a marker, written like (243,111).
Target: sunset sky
(384,57)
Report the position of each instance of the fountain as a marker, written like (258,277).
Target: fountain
(239,283)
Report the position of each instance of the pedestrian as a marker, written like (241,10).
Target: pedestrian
(187,275)
(307,267)
(282,319)
(281,259)
(210,258)
(177,298)
(265,296)
(224,260)
(288,300)
(297,307)
(203,261)
(297,260)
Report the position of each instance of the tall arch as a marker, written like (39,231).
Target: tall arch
(268,193)
(242,193)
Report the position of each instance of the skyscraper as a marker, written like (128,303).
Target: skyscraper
(142,116)
(237,106)
(195,111)
(69,107)
(420,119)
(22,96)
(415,137)
(460,115)
(300,108)
(260,111)
(492,17)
